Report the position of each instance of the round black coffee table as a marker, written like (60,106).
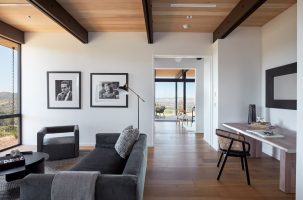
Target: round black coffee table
(34,163)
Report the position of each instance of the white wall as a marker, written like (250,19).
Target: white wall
(215,88)
(299,176)
(237,82)
(190,63)
(106,52)
(279,47)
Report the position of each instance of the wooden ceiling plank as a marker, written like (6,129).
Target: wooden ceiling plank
(241,12)
(147,9)
(57,13)
(11,33)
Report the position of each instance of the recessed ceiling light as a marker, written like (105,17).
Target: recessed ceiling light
(14,4)
(189,17)
(193,5)
(185,26)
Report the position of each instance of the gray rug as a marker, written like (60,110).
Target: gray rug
(11,190)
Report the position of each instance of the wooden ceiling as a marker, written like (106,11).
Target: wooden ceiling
(172,73)
(26,17)
(8,43)
(168,19)
(107,15)
(127,15)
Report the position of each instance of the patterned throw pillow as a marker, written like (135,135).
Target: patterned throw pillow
(126,141)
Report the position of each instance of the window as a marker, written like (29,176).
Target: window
(10,115)
(165,96)
(175,90)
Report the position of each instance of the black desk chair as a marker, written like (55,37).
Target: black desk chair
(59,147)
(231,144)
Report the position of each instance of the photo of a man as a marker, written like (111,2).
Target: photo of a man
(109,90)
(63,90)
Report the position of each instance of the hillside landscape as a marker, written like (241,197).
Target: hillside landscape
(6,103)
(8,127)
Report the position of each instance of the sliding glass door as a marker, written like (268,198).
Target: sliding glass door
(10,109)
(165,99)
(174,93)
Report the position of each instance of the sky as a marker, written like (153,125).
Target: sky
(167,90)
(6,69)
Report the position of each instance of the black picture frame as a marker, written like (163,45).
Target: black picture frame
(122,78)
(75,103)
(270,75)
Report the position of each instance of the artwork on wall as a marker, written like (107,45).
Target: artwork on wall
(64,90)
(104,90)
(281,87)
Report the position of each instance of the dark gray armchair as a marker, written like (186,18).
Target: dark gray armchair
(59,147)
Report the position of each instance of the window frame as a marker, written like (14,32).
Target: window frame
(10,44)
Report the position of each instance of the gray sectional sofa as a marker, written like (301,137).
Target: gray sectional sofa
(120,179)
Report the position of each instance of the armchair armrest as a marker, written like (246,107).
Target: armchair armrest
(76,133)
(40,136)
(106,139)
(36,186)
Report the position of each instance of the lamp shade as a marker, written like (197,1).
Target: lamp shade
(123,90)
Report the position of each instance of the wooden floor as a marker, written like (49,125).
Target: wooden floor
(182,166)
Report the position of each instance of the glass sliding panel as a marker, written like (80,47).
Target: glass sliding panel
(10,115)
(165,98)
(9,132)
(180,96)
(9,81)
(190,97)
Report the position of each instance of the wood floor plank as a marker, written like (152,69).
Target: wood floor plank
(182,166)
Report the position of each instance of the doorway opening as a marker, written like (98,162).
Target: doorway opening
(177,82)
(175,96)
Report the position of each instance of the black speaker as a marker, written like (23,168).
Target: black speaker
(252,113)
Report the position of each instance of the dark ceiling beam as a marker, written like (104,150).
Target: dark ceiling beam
(147,9)
(11,33)
(58,14)
(181,73)
(239,14)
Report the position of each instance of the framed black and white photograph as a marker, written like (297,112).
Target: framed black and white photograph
(64,90)
(104,90)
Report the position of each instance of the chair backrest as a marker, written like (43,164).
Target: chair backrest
(225,138)
(60,129)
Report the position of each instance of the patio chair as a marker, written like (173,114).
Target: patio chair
(160,110)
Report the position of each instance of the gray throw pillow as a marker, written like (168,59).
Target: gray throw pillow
(126,141)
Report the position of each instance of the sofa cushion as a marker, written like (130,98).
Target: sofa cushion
(59,140)
(105,160)
(126,140)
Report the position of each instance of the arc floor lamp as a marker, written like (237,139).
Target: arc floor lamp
(124,90)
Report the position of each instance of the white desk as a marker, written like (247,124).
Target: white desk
(286,145)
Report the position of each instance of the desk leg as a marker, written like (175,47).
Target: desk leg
(287,172)
(255,147)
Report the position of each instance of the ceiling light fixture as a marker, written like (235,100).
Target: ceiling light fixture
(193,5)
(14,4)
(185,26)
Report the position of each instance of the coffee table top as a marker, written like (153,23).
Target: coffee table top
(30,159)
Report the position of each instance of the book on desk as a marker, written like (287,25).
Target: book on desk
(266,133)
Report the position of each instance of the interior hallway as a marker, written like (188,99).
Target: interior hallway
(182,165)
